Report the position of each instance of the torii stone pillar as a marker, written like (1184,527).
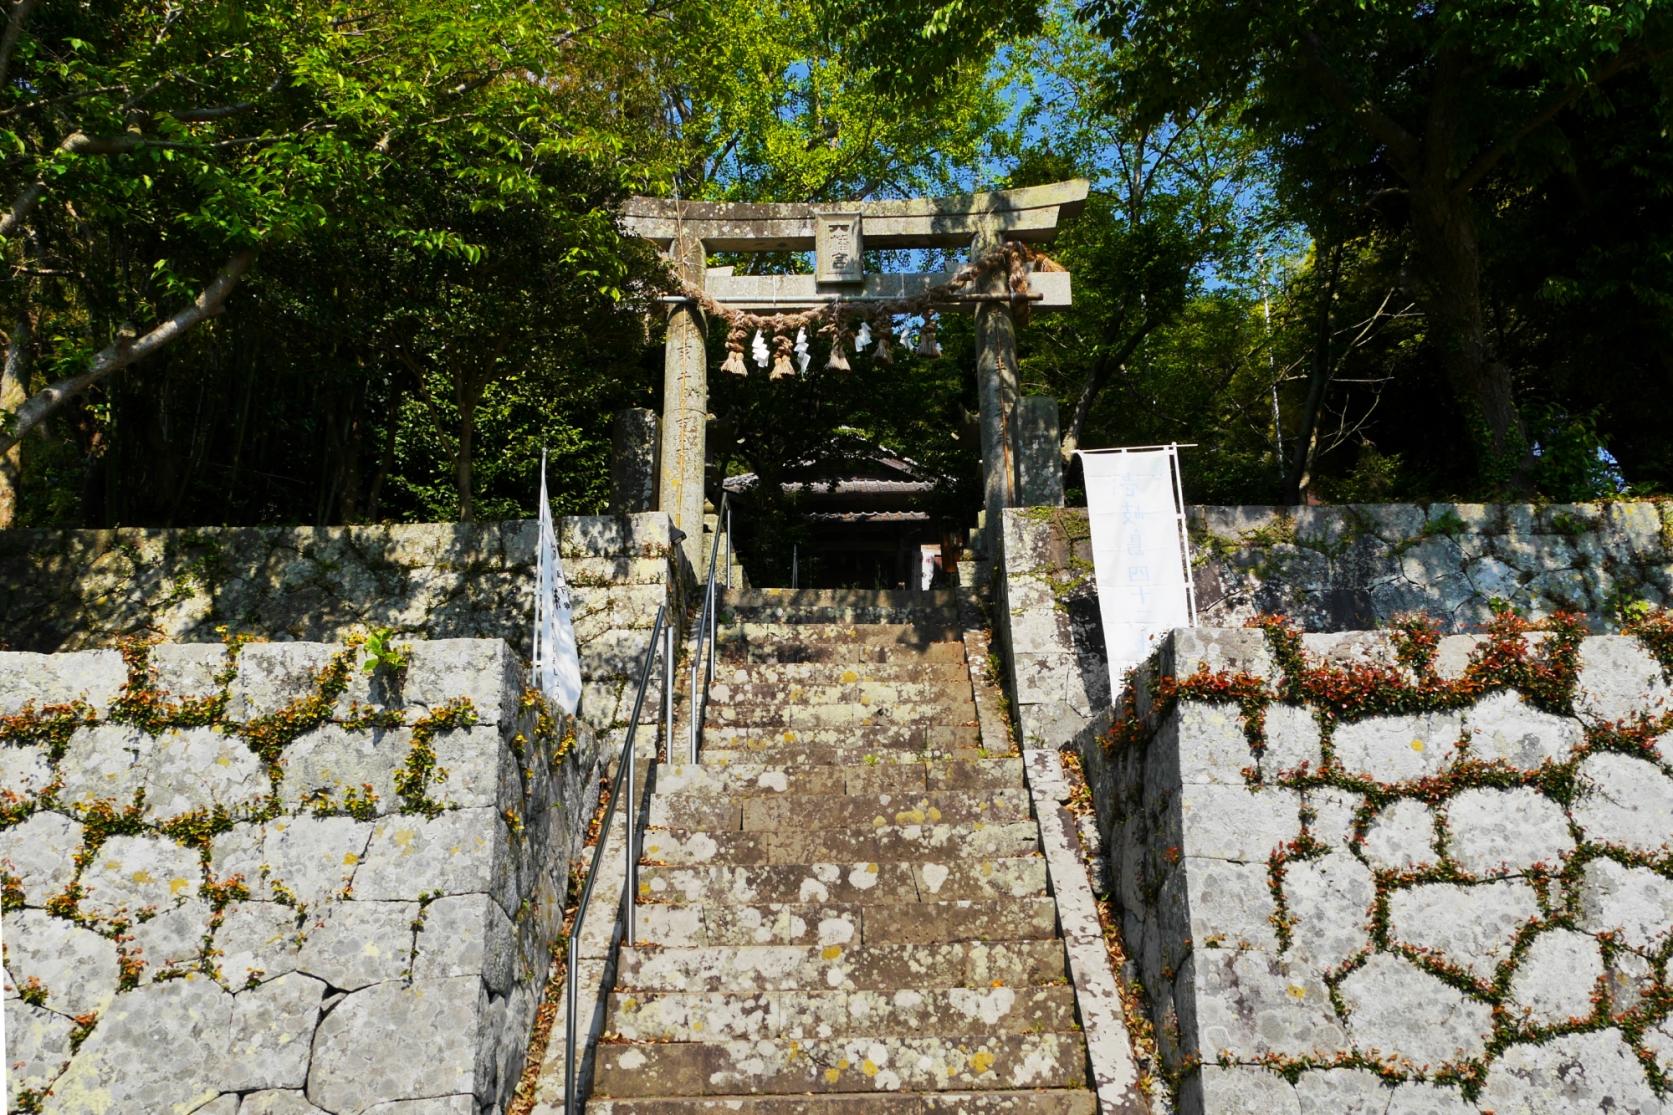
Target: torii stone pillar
(996,396)
(685,405)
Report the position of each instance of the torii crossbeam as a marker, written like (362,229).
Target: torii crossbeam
(839,233)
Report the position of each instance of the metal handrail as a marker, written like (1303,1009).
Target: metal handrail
(706,626)
(630,889)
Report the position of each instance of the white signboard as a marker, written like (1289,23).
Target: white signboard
(1140,552)
(557,663)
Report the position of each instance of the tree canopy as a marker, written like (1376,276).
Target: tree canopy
(359,260)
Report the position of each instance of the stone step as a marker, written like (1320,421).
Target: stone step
(837,692)
(904,638)
(843,715)
(1012,963)
(1029,1102)
(728,737)
(811,812)
(859,1064)
(898,923)
(791,756)
(839,605)
(848,882)
(841,673)
(762,779)
(796,652)
(719,1016)
(862,843)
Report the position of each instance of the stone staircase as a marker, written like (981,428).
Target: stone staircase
(844,906)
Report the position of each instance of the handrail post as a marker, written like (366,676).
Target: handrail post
(668,690)
(623,786)
(728,547)
(573,992)
(630,822)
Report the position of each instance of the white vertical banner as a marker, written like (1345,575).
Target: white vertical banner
(557,663)
(1141,554)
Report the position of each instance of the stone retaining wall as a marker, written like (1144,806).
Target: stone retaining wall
(1328,568)
(261,880)
(1398,873)
(70,590)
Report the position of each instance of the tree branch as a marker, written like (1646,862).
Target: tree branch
(1381,126)
(125,351)
(1488,159)
(14,30)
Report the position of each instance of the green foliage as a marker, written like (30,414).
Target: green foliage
(384,653)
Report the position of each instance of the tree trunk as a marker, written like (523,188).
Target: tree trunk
(469,395)
(1443,227)
(14,389)
(1318,379)
(1096,380)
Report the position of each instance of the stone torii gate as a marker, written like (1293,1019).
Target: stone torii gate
(838,234)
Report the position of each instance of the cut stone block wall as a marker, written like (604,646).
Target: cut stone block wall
(1329,569)
(1356,875)
(70,590)
(256,880)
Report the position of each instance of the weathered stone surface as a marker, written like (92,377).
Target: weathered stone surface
(1330,899)
(1414,1098)
(38,854)
(159,1047)
(277,1103)
(1556,977)
(1292,739)
(1342,1092)
(105,762)
(76,966)
(1398,748)
(1401,836)
(196,768)
(1623,800)
(1575,1072)
(1499,832)
(1229,905)
(1635,902)
(1207,743)
(1333,815)
(258,940)
(1394,1005)
(357,943)
(37,1045)
(1619,679)
(311,859)
(433,1023)
(1236,822)
(1254,1003)
(219,1010)
(454,851)
(1238,1091)
(173,939)
(1471,926)
(435,1105)
(331,760)
(24,770)
(94,676)
(268,1042)
(1504,726)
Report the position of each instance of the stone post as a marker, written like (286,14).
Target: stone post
(996,393)
(634,454)
(1039,457)
(685,405)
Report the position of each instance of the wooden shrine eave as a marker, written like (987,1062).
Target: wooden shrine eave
(1030,213)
